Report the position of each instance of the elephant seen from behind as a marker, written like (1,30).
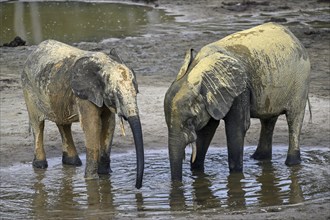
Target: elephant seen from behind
(261,72)
(64,84)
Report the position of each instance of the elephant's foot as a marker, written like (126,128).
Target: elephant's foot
(91,170)
(41,164)
(73,161)
(104,165)
(197,166)
(235,167)
(236,170)
(262,155)
(293,159)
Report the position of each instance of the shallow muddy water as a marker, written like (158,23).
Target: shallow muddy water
(75,21)
(78,21)
(61,191)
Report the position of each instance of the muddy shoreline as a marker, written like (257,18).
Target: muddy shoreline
(157,56)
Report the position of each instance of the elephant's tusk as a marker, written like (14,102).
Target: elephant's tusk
(71,116)
(194,152)
(122,128)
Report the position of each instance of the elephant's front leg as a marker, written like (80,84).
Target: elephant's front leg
(90,119)
(108,128)
(70,155)
(204,137)
(237,122)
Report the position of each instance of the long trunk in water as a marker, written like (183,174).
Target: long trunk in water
(176,151)
(135,124)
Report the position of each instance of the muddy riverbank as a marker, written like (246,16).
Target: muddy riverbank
(156,56)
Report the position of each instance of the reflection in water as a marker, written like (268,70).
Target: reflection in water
(274,189)
(270,192)
(73,21)
(176,198)
(18,22)
(236,193)
(296,194)
(100,197)
(61,191)
(140,204)
(39,201)
(202,194)
(36,24)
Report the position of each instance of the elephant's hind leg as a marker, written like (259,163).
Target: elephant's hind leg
(295,121)
(108,128)
(204,137)
(39,160)
(264,149)
(38,126)
(70,155)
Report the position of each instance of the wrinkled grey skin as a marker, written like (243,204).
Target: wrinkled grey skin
(261,72)
(64,84)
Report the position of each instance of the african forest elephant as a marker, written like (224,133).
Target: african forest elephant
(64,84)
(261,72)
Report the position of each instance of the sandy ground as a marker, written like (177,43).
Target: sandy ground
(156,59)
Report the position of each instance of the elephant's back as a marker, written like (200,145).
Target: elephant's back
(49,53)
(270,39)
(46,79)
(277,65)
(266,51)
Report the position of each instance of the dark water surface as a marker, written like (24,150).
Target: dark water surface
(75,21)
(61,191)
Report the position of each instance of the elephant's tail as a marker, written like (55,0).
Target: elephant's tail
(310,111)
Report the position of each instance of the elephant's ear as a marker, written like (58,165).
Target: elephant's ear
(186,63)
(223,78)
(86,81)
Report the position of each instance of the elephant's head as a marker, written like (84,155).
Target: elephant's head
(205,87)
(108,82)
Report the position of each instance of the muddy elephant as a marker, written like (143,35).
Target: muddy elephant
(64,84)
(261,72)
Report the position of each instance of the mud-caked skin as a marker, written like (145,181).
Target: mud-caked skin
(64,84)
(261,72)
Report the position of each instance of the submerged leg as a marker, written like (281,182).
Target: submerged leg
(204,137)
(70,155)
(264,148)
(237,122)
(90,120)
(108,128)
(295,121)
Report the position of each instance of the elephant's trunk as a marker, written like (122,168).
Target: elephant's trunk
(176,151)
(135,124)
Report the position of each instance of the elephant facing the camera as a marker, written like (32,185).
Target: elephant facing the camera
(64,84)
(261,72)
